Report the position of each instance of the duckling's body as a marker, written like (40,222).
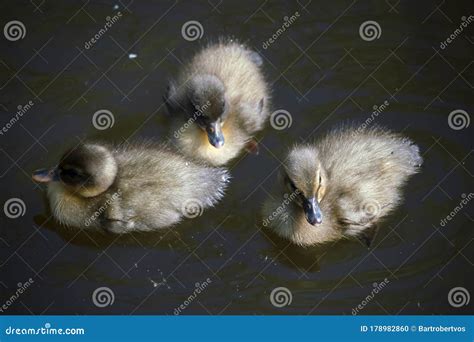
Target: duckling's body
(225,101)
(342,185)
(137,187)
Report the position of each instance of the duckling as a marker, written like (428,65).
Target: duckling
(224,98)
(139,187)
(341,186)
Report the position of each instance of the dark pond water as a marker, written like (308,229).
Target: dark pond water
(322,72)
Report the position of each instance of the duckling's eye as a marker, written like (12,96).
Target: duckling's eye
(71,175)
(293,186)
(201,119)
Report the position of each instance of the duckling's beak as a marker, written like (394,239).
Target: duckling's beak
(45,175)
(312,211)
(214,134)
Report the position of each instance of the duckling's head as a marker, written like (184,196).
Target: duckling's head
(305,176)
(208,106)
(86,170)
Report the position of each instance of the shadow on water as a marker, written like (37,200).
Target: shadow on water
(101,239)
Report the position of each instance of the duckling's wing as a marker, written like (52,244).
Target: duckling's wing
(358,218)
(117,226)
(117,219)
(367,236)
(365,232)
(253,115)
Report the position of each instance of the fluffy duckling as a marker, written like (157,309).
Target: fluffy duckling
(128,188)
(341,186)
(224,99)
